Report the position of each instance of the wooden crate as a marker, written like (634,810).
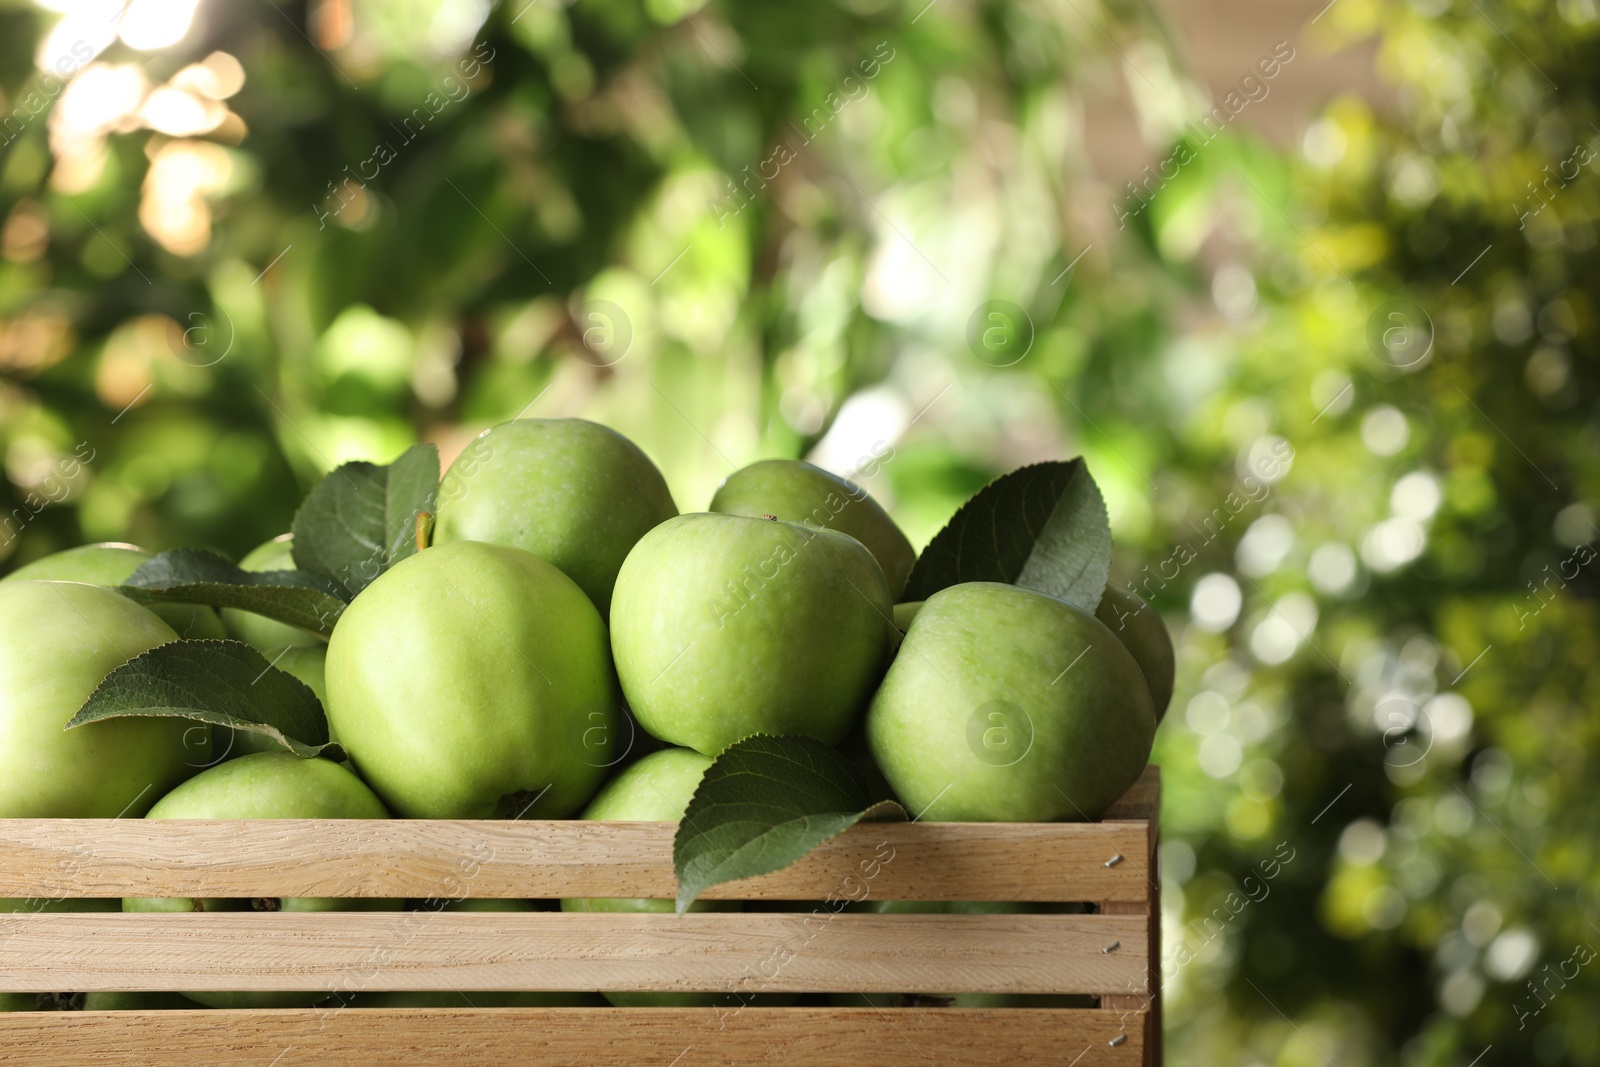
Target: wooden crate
(1112,953)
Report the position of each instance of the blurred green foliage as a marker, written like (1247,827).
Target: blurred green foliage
(1341,399)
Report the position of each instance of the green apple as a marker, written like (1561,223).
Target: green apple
(473,681)
(572,492)
(58,641)
(724,626)
(270,785)
(310,665)
(655,789)
(1138,627)
(267,785)
(109,564)
(795,491)
(268,635)
(1008,705)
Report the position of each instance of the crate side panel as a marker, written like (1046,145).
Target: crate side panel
(1146,809)
(724,951)
(560,1037)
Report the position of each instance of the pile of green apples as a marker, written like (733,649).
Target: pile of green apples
(566,644)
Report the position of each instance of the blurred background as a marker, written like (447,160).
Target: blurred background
(1311,285)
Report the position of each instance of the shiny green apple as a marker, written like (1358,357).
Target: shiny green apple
(796,491)
(724,626)
(1008,705)
(107,563)
(1138,627)
(111,563)
(572,492)
(58,641)
(268,635)
(474,681)
(267,785)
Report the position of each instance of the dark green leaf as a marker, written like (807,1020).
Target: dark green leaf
(1043,527)
(225,683)
(362,519)
(764,804)
(195,576)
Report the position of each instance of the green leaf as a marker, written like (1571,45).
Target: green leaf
(195,576)
(764,804)
(225,683)
(362,519)
(1043,527)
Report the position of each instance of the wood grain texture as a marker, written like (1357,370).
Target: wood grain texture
(564,1037)
(731,951)
(50,858)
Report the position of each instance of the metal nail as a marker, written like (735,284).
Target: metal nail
(1111,947)
(1119,1039)
(1114,860)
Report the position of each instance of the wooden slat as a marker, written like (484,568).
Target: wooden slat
(562,1037)
(756,952)
(50,858)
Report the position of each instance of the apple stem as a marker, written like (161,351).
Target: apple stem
(424,523)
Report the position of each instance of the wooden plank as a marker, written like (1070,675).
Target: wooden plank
(1143,803)
(726,951)
(562,1037)
(53,858)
